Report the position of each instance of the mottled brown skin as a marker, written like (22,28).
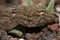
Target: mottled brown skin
(34,16)
(26,16)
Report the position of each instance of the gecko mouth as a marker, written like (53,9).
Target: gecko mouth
(30,30)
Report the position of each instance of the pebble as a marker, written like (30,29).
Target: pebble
(58,31)
(54,39)
(13,38)
(57,8)
(35,36)
(53,27)
(28,35)
(21,39)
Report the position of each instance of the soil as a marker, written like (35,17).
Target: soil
(38,34)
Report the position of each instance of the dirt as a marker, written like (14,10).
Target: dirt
(44,34)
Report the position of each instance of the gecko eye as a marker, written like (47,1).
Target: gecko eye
(42,13)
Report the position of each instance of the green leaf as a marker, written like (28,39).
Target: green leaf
(15,31)
(29,2)
(51,6)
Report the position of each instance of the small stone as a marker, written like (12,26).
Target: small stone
(29,39)
(54,39)
(13,38)
(57,8)
(13,15)
(45,29)
(28,35)
(21,39)
(20,35)
(58,37)
(53,27)
(35,36)
(9,36)
(58,31)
